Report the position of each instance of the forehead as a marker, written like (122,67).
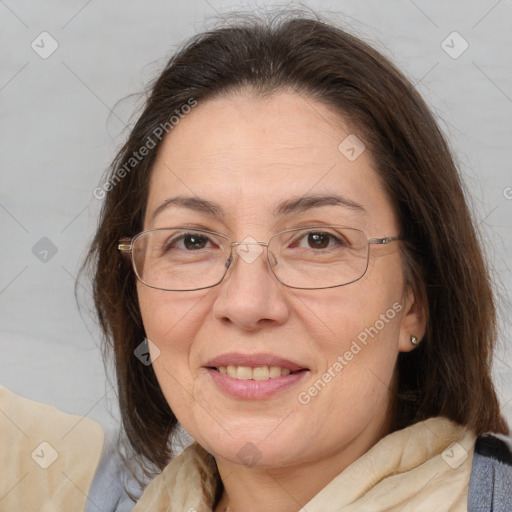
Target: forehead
(250,153)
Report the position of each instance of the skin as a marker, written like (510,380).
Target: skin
(248,154)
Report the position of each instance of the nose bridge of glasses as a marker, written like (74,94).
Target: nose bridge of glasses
(249,249)
(254,243)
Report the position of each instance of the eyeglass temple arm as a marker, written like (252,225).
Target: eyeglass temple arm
(125,245)
(383,241)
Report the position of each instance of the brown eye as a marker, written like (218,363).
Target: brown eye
(318,240)
(194,241)
(187,242)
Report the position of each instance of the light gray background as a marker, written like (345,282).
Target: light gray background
(58,134)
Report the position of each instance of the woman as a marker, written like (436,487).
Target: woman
(286,266)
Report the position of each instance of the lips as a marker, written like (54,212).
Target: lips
(254,376)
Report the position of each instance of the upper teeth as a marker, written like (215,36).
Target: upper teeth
(257,373)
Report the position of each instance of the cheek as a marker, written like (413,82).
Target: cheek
(359,359)
(172,324)
(169,318)
(356,330)
(355,315)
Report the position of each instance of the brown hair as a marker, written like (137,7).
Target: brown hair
(449,373)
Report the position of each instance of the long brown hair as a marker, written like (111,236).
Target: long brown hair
(449,374)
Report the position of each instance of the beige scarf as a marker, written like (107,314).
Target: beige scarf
(423,468)
(48,457)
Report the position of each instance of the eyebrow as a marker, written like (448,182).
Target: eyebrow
(282,209)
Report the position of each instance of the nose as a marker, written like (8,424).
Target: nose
(250,297)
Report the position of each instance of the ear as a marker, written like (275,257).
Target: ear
(414,321)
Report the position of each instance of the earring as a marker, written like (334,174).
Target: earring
(415,340)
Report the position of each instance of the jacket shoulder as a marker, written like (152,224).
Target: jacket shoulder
(490,486)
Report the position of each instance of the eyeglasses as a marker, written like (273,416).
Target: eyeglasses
(186,259)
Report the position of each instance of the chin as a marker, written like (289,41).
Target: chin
(247,453)
(253,448)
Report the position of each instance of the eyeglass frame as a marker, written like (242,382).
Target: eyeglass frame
(125,246)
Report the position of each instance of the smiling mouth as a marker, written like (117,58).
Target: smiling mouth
(255,373)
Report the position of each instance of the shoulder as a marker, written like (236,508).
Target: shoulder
(490,488)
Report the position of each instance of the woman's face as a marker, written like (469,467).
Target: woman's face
(248,156)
